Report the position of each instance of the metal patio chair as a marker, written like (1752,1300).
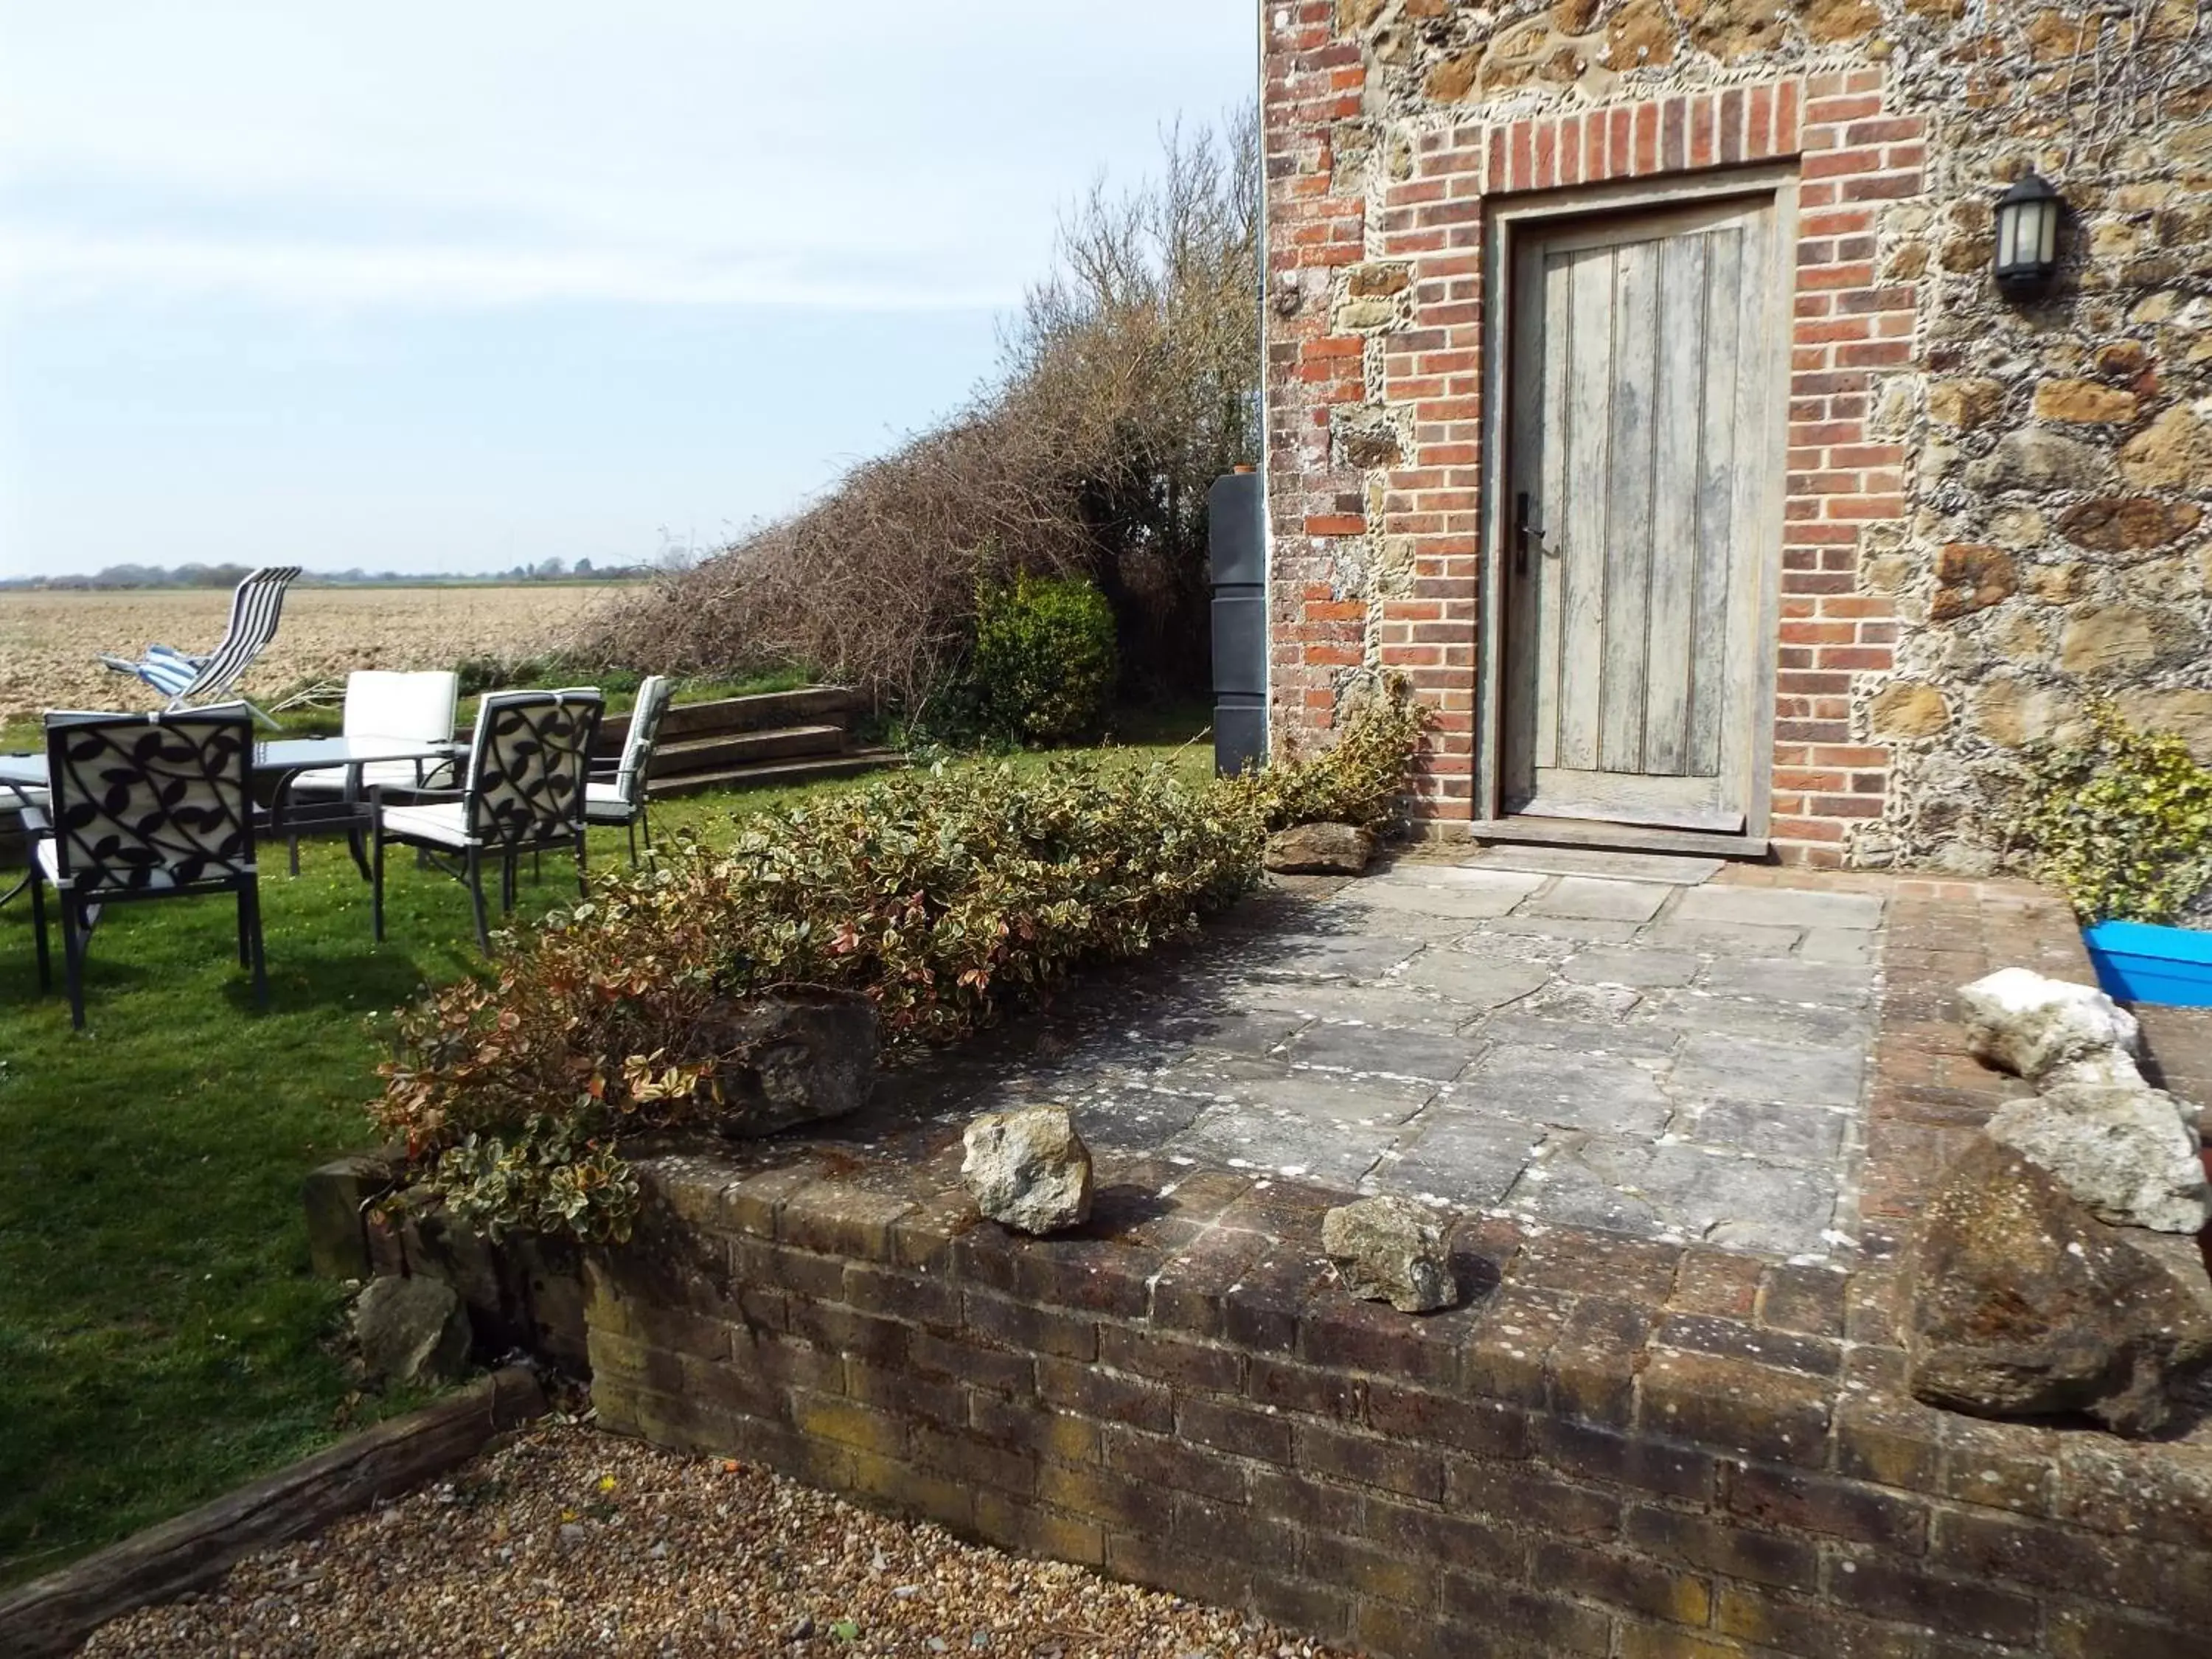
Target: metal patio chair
(184,680)
(620,797)
(145,807)
(26,803)
(413,706)
(522,792)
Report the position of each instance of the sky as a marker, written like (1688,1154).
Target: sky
(461,285)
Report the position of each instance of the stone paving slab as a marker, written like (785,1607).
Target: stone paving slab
(1567,930)
(1710,1065)
(1404,1006)
(1351,955)
(1586,1089)
(1683,1060)
(1466,1159)
(1476,983)
(1645,969)
(1674,869)
(1439,901)
(1421,873)
(1637,1186)
(1555,1027)
(1723,939)
(1834,985)
(1286,1142)
(1390,1051)
(1815,1136)
(1769,907)
(1589,898)
(1774,1021)
(1839,944)
(1328,1095)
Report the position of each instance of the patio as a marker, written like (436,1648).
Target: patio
(1609,1041)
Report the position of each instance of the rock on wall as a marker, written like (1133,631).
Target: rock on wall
(2049,537)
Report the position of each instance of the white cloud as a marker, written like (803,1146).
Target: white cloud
(881,153)
(65,268)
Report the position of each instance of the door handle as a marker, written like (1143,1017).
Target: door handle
(1522,532)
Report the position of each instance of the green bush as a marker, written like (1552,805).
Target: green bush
(2120,822)
(1359,779)
(1044,665)
(943,895)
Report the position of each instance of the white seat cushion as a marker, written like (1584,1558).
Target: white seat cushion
(603,803)
(445,822)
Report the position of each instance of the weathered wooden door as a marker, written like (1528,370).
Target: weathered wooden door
(1640,516)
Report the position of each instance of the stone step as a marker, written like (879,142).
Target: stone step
(1620,837)
(1682,870)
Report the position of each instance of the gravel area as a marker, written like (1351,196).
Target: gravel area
(569,1542)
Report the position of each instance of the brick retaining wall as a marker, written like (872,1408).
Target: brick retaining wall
(1617,1447)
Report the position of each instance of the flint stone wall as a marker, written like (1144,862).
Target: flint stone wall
(1994,510)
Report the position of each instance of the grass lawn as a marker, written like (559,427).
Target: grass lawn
(161,1338)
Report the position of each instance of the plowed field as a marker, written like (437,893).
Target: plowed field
(49,639)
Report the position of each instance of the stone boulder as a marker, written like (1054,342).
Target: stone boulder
(2022,1022)
(1320,849)
(2022,1303)
(1027,1169)
(795,1055)
(1391,1249)
(2108,1068)
(2130,1154)
(411,1330)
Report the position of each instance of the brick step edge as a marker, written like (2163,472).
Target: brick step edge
(52,1616)
(688,755)
(847,765)
(762,711)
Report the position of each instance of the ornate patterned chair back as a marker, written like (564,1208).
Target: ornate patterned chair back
(644,733)
(527,765)
(144,801)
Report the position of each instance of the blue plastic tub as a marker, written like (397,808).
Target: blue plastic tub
(2138,962)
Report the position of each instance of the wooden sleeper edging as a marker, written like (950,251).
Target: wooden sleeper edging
(53,1615)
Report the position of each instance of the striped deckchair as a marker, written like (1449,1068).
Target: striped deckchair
(184,680)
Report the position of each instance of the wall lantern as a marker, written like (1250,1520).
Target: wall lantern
(2027,237)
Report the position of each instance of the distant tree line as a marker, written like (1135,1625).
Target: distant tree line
(229,575)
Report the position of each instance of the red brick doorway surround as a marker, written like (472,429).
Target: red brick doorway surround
(1424,515)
